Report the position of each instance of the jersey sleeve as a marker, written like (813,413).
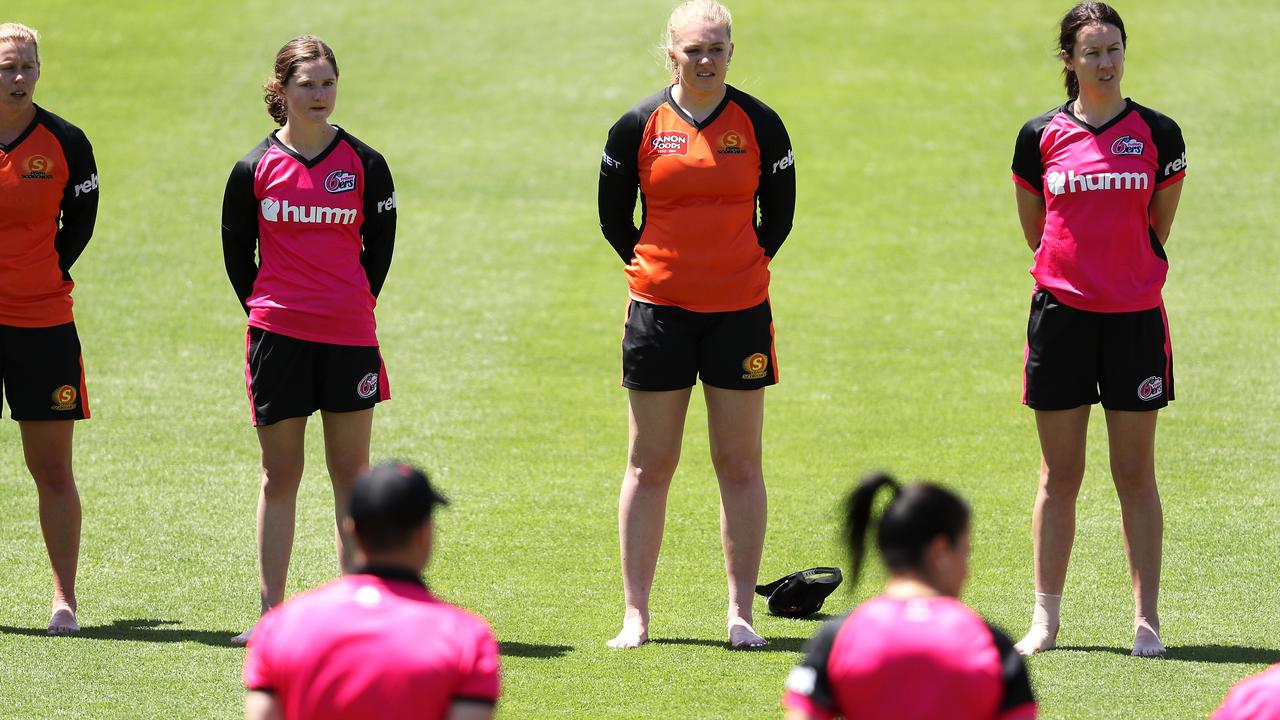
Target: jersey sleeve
(240,230)
(479,683)
(808,686)
(1028,167)
(1017,701)
(776,195)
(620,183)
(378,233)
(79,200)
(258,672)
(1171,151)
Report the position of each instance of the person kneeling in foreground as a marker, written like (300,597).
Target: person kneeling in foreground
(375,643)
(914,651)
(1256,697)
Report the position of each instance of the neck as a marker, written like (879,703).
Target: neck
(407,560)
(697,103)
(13,122)
(1097,108)
(307,139)
(909,586)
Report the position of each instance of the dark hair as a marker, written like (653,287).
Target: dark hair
(388,503)
(1080,16)
(917,513)
(303,48)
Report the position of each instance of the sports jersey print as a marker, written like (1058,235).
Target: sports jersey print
(700,244)
(1098,251)
(324,231)
(373,645)
(906,659)
(48,205)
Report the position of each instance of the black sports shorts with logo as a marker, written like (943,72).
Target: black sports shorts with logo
(1076,357)
(42,373)
(668,348)
(289,378)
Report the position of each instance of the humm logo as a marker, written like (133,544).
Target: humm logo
(282,211)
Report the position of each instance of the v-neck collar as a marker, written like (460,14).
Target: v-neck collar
(1128,107)
(308,164)
(8,148)
(709,119)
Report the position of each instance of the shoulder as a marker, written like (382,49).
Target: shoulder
(253,156)
(750,103)
(361,148)
(1037,124)
(63,130)
(1158,121)
(640,112)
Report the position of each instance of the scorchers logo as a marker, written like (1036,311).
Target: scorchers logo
(281,211)
(755,366)
(671,142)
(1060,183)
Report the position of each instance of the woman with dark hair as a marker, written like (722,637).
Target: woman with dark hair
(48,205)
(318,207)
(914,651)
(1098,181)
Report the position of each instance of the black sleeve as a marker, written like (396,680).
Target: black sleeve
(620,183)
(1171,151)
(1013,673)
(776,195)
(379,229)
(1027,162)
(240,229)
(810,679)
(79,198)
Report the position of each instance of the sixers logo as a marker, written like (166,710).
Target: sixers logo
(339,181)
(1151,388)
(367,386)
(755,366)
(1126,145)
(37,167)
(672,142)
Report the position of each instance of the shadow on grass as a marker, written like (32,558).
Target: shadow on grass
(1198,653)
(776,644)
(138,630)
(531,650)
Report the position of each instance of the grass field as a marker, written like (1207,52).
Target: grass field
(900,304)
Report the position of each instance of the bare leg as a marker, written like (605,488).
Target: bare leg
(46,446)
(346,452)
(1132,439)
(1053,521)
(282,463)
(735,420)
(655,428)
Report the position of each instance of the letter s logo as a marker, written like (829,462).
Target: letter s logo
(270,210)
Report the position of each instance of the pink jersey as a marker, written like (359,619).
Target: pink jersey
(324,230)
(376,646)
(903,659)
(1098,251)
(1257,697)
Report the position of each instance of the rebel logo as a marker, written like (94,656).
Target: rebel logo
(1126,145)
(671,142)
(340,181)
(367,386)
(1151,388)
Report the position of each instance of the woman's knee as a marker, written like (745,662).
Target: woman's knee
(52,475)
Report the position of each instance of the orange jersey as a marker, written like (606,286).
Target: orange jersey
(700,244)
(48,204)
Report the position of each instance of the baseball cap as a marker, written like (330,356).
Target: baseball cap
(801,593)
(393,494)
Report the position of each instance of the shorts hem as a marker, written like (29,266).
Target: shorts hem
(642,387)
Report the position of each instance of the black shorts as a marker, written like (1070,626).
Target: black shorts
(42,373)
(289,378)
(668,348)
(1076,357)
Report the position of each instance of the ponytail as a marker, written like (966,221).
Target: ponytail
(858,516)
(916,514)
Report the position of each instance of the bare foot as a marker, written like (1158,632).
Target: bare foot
(635,633)
(242,639)
(1146,640)
(63,621)
(743,637)
(1038,639)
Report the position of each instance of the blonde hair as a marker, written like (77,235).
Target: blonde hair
(19,33)
(691,11)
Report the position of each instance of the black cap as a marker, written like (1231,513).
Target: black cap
(392,496)
(801,593)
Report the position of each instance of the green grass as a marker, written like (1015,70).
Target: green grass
(900,301)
